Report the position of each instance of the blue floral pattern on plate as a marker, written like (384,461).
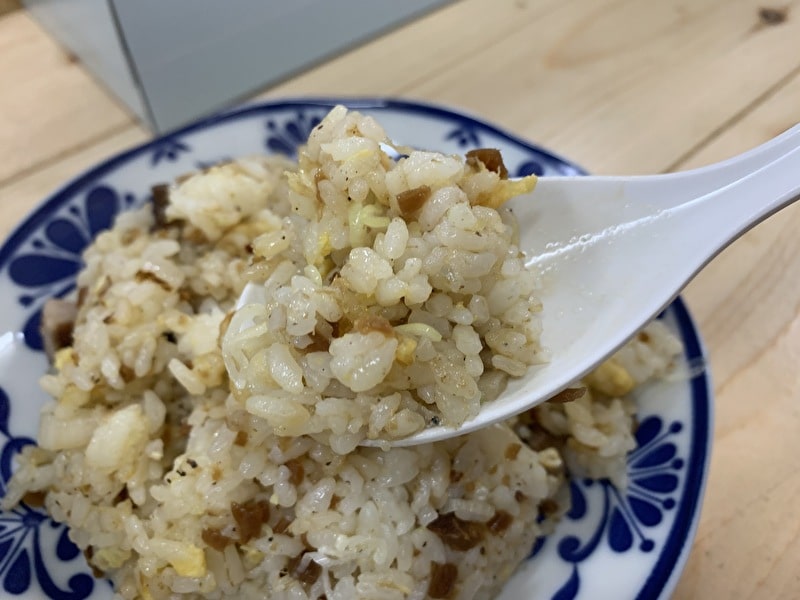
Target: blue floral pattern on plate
(22,531)
(655,516)
(466,135)
(624,516)
(284,137)
(48,268)
(168,149)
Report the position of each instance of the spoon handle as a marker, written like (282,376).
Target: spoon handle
(708,178)
(721,216)
(570,212)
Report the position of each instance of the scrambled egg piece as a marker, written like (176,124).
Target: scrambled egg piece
(405,351)
(611,379)
(509,188)
(110,558)
(62,358)
(190,562)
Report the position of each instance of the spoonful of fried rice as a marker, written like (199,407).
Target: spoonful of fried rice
(410,300)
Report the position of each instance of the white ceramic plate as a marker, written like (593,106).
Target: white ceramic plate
(613,544)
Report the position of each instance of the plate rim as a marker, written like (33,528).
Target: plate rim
(665,576)
(676,549)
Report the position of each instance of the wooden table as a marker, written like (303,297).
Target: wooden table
(620,86)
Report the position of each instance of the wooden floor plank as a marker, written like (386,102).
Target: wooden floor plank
(754,269)
(391,63)
(667,78)
(53,105)
(746,302)
(19,197)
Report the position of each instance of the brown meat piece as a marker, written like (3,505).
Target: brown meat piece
(548,507)
(127,373)
(58,320)
(568,395)
(456,533)
(512,450)
(34,499)
(297,471)
(319,343)
(282,525)
(250,516)
(159,205)
(307,574)
(500,522)
(411,201)
(491,159)
(216,539)
(443,580)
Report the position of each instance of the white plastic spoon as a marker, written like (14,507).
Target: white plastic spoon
(615,251)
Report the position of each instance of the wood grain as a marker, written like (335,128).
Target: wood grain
(418,52)
(27,191)
(625,102)
(563,74)
(49,106)
(747,302)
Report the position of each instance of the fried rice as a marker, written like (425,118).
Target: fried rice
(198,448)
